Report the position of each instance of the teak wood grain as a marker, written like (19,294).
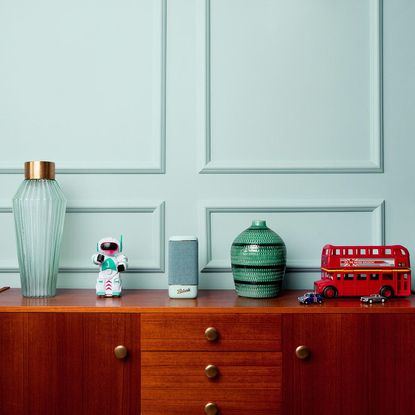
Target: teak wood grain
(13,346)
(56,355)
(64,364)
(189,401)
(186,359)
(241,370)
(359,364)
(187,332)
(211,301)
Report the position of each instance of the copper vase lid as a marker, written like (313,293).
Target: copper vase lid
(39,170)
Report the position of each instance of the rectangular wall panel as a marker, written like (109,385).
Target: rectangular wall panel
(291,86)
(305,228)
(142,228)
(83,84)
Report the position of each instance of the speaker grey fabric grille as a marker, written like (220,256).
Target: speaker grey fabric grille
(183,263)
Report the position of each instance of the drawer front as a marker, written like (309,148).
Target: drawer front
(228,401)
(209,371)
(234,332)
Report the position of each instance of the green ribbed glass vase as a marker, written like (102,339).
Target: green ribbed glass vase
(39,213)
(258,257)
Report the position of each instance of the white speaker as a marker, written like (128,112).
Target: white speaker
(183,273)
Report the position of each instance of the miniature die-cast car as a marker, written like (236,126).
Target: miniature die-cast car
(373,298)
(310,298)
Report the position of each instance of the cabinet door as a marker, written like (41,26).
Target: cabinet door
(66,363)
(12,367)
(358,363)
(310,385)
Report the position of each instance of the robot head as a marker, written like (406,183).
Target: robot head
(109,246)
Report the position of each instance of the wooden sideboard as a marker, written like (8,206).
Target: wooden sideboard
(218,353)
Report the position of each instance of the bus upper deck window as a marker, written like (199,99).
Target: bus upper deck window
(363,251)
(337,251)
(350,251)
(403,252)
(375,251)
(388,251)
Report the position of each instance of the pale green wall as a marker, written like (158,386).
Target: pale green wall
(178,117)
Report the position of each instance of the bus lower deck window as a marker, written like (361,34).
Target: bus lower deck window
(374,277)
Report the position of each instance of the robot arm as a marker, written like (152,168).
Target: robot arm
(122,263)
(98,259)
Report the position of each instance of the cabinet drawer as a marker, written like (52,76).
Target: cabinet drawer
(193,401)
(235,332)
(209,371)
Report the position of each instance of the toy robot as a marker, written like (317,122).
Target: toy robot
(111,262)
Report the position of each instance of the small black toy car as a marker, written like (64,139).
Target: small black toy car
(310,298)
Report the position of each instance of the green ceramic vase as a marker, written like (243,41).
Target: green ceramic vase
(258,257)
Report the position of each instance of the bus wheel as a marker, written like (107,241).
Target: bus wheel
(330,292)
(386,291)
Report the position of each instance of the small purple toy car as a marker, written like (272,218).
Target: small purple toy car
(310,298)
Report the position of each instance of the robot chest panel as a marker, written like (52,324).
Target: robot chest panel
(109,263)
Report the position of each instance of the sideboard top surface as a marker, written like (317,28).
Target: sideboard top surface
(211,301)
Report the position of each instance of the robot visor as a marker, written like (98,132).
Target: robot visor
(109,246)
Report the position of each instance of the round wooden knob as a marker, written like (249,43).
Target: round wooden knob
(211,409)
(211,371)
(302,352)
(120,352)
(211,334)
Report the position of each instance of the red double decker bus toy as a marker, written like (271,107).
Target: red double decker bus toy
(364,270)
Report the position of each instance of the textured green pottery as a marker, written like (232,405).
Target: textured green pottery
(258,257)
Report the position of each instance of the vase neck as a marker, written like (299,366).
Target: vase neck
(259,224)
